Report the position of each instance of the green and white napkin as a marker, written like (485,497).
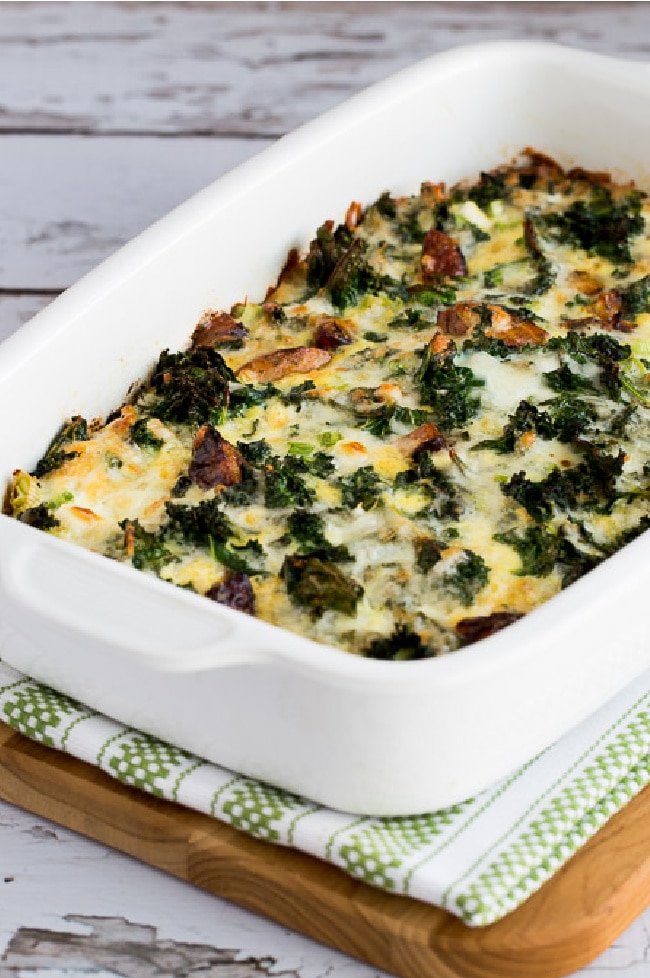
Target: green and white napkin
(479,859)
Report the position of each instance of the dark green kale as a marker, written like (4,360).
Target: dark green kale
(401,646)
(491,345)
(336,261)
(602,349)
(203,524)
(320,464)
(39,517)
(427,554)
(448,389)
(570,417)
(385,205)
(469,576)
(191,387)
(636,297)
(296,395)
(72,431)
(247,558)
(143,437)
(600,225)
(490,187)
(427,478)
(564,380)
(362,488)
(245,397)
(567,418)
(427,295)
(527,417)
(284,484)
(380,422)
(241,493)
(373,337)
(308,530)
(353,278)
(255,452)
(542,551)
(327,248)
(589,485)
(410,319)
(618,425)
(543,278)
(182,484)
(319,586)
(147,550)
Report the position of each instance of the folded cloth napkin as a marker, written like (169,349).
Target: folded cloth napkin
(479,859)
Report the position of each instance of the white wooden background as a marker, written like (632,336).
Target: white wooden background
(110,114)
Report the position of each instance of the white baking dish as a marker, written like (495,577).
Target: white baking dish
(366,736)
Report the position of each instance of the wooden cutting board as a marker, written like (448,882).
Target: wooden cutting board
(574,917)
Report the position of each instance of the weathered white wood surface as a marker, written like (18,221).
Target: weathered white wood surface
(110,114)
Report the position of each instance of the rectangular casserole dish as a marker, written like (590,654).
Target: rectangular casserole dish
(382,738)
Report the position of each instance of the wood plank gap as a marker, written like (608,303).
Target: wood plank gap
(209,132)
(21,290)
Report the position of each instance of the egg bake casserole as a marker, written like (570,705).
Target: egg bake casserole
(438,418)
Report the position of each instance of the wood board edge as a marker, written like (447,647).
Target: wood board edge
(573,918)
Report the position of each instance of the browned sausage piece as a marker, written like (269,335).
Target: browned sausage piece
(608,307)
(441,256)
(220,330)
(235,591)
(215,462)
(530,237)
(513,330)
(473,629)
(458,320)
(332,333)
(281,363)
(425,438)
(544,167)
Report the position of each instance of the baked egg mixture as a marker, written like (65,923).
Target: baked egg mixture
(436,420)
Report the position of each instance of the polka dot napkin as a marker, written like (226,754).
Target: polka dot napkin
(479,859)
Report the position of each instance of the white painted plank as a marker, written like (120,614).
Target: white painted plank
(49,875)
(68,202)
(65,203)
(258,68)
(18,309)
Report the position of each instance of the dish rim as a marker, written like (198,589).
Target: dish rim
(509,645)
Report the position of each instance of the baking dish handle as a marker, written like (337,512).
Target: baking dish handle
(49,588)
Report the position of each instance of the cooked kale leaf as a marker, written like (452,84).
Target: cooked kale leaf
(72,431)
(589,485)
(203,524)
(142,436)
(191,387)
(542,551)
(636,297)
(470,574)
(284,484)
(308,530)
(247,396)
(403,645)
(448,388)
(319,585)
(601,225)
(39,517)
(148,550)
(361,488)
